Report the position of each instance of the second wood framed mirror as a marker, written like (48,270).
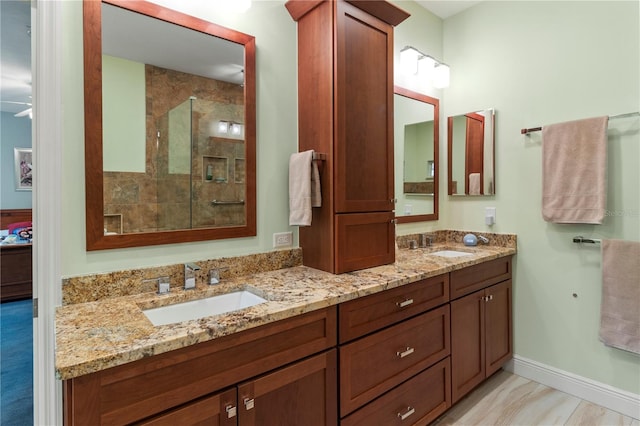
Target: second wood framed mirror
(416,139)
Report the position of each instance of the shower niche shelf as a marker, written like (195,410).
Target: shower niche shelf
(238,170)
(215,169)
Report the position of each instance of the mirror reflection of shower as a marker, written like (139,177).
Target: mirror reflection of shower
(205,184)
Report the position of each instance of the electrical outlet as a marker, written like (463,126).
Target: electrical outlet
(490,215)
(283,239)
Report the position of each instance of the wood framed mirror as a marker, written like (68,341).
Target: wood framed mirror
(416,140)
(471,153)
(180,165)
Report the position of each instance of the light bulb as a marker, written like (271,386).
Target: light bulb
(441,76)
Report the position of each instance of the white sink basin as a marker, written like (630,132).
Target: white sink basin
(201,308)
(451,253)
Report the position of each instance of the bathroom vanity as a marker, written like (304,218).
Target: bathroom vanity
(398,341)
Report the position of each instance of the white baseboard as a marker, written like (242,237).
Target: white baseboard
(623,402)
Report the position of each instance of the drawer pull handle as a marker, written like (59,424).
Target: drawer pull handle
(404,303)
(409,412)
(406,352)
(248,403)
(231,411)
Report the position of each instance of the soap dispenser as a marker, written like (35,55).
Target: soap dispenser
(470,240)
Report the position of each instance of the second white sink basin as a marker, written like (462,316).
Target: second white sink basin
(202,308)
(451,253)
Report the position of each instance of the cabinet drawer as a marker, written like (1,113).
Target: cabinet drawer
(476,277)
(367,314)
(376,363)
(143,388)
(419,400)
(364,240)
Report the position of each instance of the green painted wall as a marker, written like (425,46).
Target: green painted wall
(123,115)
(539,63)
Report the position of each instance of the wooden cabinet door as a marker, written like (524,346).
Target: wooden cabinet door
(364,240)
(215,410)
(304,393)
(363,112)
(499,344)
(481,336)
(474,150)
(467,344)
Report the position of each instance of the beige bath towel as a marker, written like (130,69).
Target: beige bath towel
(474,183)
(304,188)
(620,309)
(574,166)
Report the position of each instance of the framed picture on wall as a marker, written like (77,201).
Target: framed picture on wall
(24,168)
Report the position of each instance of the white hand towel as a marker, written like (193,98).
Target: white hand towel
(304,188)
(574,171)
(474,183)
(619,315)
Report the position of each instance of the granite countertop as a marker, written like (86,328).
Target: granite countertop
(94,336)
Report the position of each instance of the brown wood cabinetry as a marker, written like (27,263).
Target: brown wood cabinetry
(345,109)
(417,401)
(148,387)
(375,364)
(304,393)
(394,357)
(16,272)
(368,314)
(404,356)
(481,330)
(290,396)
(215,410)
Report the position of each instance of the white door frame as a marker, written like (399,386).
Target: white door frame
(47,151)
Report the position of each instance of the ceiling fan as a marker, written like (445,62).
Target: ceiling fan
(26,112)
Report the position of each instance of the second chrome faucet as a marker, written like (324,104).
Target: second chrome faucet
(190,275)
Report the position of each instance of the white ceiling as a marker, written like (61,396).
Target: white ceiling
(15,24)
(446,8)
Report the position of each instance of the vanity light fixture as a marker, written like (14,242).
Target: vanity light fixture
(415,62)
(223,127)
(235,129)
(441,75)
(409,57)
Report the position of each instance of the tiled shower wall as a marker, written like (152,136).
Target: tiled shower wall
(160,200)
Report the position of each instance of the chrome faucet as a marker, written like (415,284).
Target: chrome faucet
(214,275)
(426,240)
(483,239)
(190,275)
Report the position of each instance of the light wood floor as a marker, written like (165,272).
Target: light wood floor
(509,400)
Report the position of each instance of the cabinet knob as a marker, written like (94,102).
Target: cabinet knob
(231,411)
(406,352)
(248,403)
(407,413)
